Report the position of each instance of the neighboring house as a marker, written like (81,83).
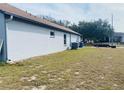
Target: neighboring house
(119,37)
(23,35)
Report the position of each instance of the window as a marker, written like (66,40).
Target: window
(52,34)
(65,39)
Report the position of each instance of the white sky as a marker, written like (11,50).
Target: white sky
(78,12)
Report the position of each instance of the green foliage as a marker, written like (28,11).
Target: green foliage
(98,31)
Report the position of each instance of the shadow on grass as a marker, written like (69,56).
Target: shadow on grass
(3,63)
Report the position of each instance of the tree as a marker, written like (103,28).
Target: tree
(98,31)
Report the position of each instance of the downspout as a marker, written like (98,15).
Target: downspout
(10,19)
(7,21)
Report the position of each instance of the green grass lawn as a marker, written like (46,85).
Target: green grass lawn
(86,68)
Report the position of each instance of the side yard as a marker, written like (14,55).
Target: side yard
(86,68)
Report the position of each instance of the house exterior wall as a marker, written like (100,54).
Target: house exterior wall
(122,40)
(75,38)
(26,40)
(3,52)
(119,37)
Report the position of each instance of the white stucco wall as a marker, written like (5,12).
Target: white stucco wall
(122,40)
(26,40)
(75,38)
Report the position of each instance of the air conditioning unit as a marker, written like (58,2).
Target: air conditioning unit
(74,45)
(81,44)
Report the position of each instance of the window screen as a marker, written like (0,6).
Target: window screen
(65,39)
(52,34)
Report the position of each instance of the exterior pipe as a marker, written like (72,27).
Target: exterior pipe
(7,21)
(3,55)
(10,19)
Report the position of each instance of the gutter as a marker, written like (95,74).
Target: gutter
(28,19)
